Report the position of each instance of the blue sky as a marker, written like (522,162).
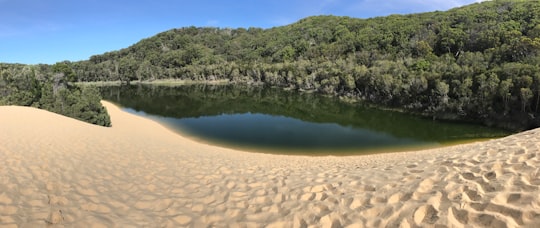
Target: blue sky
(49,31)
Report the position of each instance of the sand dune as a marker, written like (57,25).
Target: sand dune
(56,171)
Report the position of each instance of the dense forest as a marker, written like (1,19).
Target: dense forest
(48,87)
(475,63)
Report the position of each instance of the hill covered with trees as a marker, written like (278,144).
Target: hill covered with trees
(476,63)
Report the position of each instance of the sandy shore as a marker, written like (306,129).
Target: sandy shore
(56,171)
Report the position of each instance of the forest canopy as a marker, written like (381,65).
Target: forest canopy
(476,63)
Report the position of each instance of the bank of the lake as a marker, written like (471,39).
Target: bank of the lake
(157,82)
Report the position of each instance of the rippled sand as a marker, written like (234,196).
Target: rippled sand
(56,171)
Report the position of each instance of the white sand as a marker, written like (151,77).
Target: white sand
(62,172)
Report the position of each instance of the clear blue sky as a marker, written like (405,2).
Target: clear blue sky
(48,31)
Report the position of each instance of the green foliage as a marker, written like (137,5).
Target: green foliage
(85,105)
(48,89)
(65,69)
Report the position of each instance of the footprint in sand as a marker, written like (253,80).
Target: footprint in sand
(411,166)
(490,176)
(425,214)
(513,198)
(473,195)
(458,216)
(514,214)
(467,176)
(55,217)
(486,220)
(399,197)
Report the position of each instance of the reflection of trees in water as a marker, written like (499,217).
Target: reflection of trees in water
(209,100)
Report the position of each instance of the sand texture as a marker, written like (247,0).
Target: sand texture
(56,172)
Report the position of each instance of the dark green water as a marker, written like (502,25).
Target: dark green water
(271,119)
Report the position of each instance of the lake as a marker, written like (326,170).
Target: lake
(280,121)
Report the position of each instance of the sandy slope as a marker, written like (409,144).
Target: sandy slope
(61,172)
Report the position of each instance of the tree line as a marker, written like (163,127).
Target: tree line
(476,63)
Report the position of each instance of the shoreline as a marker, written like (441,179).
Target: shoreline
(58,171)
(342,152)
(184,82)
(159,82)
(316,152)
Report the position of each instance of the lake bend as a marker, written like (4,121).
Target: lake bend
(273,120)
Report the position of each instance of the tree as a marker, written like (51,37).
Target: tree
(537,85)
(505,91)
(64,68)
(487,90)
(422,49)
(525,94)
(88,107)
(127,68)
(441,91)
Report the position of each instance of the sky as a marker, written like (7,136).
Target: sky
(50,31)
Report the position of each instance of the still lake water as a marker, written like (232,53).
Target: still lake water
(275,120)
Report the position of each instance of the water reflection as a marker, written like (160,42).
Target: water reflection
(271,118)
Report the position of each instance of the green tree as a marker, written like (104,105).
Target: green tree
(505,91)
(64,68)
(525,94)
(441,92)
